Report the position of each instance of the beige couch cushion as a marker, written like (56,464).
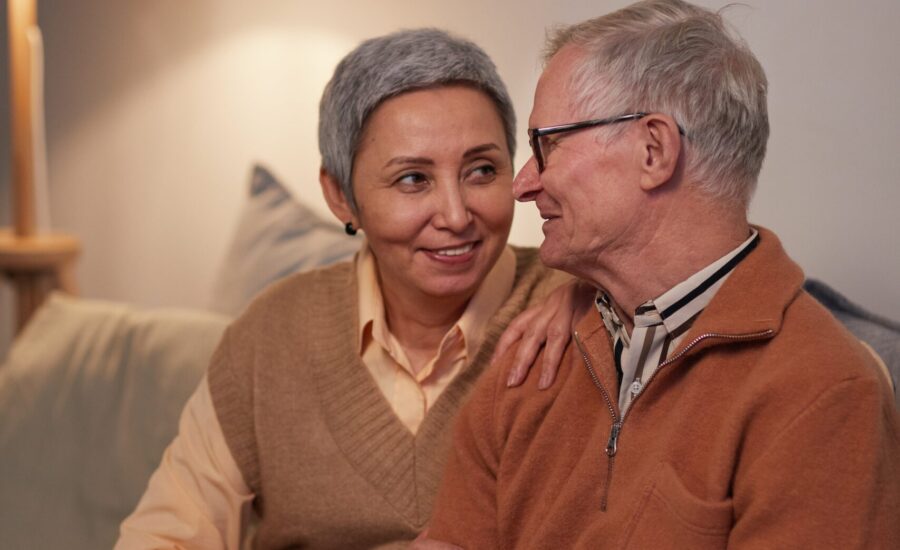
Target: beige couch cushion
(90,395)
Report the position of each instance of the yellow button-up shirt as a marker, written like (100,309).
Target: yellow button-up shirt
(411,393)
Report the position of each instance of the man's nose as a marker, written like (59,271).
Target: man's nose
(527,184)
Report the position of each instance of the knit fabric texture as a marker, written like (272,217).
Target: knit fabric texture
(330,463)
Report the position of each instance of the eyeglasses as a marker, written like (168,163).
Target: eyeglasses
(535,134)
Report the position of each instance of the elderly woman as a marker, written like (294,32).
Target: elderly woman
(327,406)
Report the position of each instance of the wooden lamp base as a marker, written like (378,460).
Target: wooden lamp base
(36,266)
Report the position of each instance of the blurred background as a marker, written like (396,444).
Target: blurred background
(156,109)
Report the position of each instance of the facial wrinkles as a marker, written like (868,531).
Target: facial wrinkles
(600,214)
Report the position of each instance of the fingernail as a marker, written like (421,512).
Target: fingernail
(515,377)
(544,382)
(511,381)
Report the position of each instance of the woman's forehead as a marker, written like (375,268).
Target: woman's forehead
(422,123)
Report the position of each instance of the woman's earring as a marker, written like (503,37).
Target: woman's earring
(348,227)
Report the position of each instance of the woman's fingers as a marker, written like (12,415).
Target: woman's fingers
(530,345)
(548,327)
(422,542)
(558,335)
(514,332)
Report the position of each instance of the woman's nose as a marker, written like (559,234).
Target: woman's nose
(527,184)
(453,213)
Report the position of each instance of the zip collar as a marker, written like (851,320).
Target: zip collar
(749,306)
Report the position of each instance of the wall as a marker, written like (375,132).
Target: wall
(156,111)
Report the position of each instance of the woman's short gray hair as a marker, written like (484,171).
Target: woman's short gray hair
(384,67)
(672,57)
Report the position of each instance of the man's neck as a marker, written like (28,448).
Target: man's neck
(675,249)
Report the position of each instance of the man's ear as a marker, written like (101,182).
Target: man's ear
(336,200)
(660,150)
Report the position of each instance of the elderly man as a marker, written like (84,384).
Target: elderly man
(708,400)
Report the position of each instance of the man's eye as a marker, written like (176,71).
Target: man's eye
(547,144)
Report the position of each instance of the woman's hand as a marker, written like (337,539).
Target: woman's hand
(547,326)
(422,542)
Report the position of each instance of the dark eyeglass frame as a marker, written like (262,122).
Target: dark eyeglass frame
(534,134)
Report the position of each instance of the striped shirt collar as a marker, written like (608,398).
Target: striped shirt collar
(685,300)
(691,296)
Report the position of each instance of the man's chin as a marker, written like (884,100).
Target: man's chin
(550,255)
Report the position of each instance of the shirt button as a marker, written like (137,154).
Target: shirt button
(636,387)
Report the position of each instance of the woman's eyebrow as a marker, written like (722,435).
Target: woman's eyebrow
(471,152)
(409,160)
(479,149)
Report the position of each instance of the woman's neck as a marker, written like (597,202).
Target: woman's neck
(419,323)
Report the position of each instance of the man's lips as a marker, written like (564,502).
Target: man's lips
(548,216)
(547,209)
(548,221)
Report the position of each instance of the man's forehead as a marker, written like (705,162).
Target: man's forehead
(553,98)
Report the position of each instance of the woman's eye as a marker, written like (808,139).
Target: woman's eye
(411,180)
(484,173)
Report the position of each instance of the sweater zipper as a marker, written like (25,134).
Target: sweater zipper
(616,429)
(616,424)
(692,344)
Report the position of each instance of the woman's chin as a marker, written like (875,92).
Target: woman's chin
(448,287)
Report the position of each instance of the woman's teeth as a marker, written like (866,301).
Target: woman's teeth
(454,251)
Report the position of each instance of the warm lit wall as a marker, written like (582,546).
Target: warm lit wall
(156,110)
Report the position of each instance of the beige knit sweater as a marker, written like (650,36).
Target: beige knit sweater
(330,463)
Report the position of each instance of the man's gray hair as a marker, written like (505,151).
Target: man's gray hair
(384,67)
(672,57)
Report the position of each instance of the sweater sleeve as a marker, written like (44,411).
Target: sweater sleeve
(830,479)
(197,497)
(466,507)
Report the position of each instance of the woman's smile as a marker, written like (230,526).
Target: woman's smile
(454,255)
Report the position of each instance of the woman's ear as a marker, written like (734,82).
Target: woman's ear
(336,200)
(660,150)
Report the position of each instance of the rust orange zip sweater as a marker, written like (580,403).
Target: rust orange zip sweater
(769,428)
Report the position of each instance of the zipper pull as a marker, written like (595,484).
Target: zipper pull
(613,438)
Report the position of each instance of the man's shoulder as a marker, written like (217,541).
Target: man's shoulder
(808,348)
(811,334)
(810,357)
